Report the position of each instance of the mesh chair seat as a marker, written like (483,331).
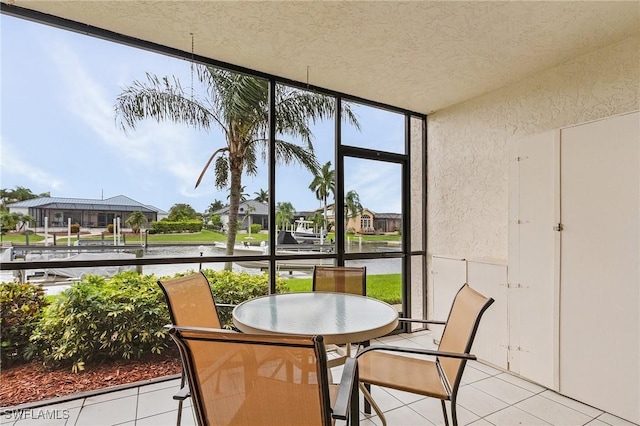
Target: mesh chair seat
(412,375)
(391,367)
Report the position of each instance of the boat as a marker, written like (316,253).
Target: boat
(304,233)
(286,244)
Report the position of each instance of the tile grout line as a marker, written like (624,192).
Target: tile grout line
(135,417)
(517,408)
(578,402)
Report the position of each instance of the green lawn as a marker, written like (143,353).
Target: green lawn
(21,239)
(204,236)
(387,288)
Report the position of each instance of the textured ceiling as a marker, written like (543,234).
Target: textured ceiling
(419,55)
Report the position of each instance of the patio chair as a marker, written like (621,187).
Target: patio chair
(255,389)
(340,279)
(389,366)
(190,303)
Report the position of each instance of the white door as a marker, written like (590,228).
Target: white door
(533,258)
(600,280)
(492,337)
(449,274)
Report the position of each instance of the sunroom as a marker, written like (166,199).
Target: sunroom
(514,161)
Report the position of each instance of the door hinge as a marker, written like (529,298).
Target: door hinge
(521,158)
(559,227)
(521,222)
(509,285)
(514,348)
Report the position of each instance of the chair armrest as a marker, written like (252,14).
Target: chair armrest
(182,394)
(225,305)
(421,321)
(417,351)
(343,406)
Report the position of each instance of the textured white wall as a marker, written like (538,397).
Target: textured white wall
(468,144)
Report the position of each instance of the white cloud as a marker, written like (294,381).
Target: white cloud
(13,165)
(379,186)
(165,151)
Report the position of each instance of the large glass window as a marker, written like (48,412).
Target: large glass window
(372,205)
(274,178)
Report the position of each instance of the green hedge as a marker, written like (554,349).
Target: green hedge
(98,319)
(20,310)
(236,287)
(166,226)
(121,317)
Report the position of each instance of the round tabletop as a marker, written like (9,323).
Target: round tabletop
(340,318)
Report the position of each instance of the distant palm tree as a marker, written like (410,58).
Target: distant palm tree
(243,195)
(324,184)
(284,213)
(239,105)
(262,196)
(318,220)
(352,206)
(24,220)
(136,220)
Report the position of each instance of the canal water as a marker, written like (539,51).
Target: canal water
(374,266)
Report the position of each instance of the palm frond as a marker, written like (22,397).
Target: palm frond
(222,172)
(239,97)
(288,153)
(161,99)
(208,163)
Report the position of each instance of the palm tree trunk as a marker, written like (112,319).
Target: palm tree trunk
(234,204)
(325,225)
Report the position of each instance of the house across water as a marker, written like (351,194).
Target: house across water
(88,213)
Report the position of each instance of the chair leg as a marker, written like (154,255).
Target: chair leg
(183,380)
(368,398)
(444,412)
(454,415)
(179,412)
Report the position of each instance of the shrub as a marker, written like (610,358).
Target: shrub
(214,222)
(123,316)
(110,228)
(255,228)
(20,309)
(75,228)
(236,287)
(166,226)
(98,319)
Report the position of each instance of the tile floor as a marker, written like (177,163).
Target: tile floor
(487,396)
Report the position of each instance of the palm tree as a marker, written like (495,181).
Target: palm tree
(323,184)
(238,105)
(136,220)
(318,220)
(352,206)
(284,213)
(24,220)
(262,196)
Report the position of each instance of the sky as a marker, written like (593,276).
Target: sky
(58,132)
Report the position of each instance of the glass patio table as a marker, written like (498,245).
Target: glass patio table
(340,318)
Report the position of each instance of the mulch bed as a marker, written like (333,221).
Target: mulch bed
(32,382)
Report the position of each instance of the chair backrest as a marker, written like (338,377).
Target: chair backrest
(255,379)
(340,279)
(460,330)
(190,301)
